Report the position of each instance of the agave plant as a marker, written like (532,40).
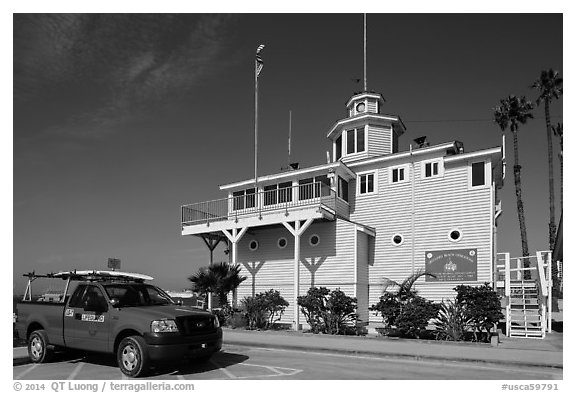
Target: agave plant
(452,322)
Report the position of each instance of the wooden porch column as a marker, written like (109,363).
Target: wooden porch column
(297,231)
(234,238)
(211,243)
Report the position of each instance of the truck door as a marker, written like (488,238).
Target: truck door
(86,321)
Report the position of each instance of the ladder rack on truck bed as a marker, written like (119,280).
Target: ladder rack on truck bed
(82,275)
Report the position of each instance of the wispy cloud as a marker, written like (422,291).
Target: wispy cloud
(105,69)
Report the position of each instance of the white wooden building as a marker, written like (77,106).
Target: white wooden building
(372,213)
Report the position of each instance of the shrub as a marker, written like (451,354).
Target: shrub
(403,308)
(340,312)
(328,312)
(415,315)
(482,307)
(264,309)
(389,307)
(223,314)
(451,323)
(312,305)
(237,320)
(254,311)
(275,305)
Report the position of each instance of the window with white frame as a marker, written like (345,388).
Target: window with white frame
(399,174)
(432,169)
(366,183)
(244,199)
(355,141)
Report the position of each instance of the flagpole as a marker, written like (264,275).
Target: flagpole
(258,64)
(256,126)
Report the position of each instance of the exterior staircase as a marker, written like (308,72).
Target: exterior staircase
(527,294)
(525,315)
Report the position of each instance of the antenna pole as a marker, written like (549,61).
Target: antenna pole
(365,77)
(289,138)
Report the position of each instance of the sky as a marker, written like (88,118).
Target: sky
(119,119)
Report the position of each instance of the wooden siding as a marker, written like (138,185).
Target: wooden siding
(329,264)
(342,207)
(441,204)
(362,258)
(379,141)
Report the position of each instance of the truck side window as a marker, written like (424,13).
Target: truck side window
(93,298)
(76,299)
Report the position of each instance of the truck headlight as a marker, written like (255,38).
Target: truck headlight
(164,326)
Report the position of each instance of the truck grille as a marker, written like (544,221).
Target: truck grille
(193,325)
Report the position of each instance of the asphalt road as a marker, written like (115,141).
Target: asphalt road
(244,363)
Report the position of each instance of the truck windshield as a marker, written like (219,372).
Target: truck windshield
(135,295)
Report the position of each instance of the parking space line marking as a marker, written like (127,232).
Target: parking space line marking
(27,371)
(228,373)
(76,371)
(277,370)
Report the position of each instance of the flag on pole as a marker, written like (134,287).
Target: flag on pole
(259,62)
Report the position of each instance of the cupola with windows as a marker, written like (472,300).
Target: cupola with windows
(366,132)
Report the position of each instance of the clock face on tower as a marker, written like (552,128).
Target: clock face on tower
(360,107)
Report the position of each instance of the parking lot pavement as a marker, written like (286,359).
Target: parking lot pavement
(224,365)
(244,363)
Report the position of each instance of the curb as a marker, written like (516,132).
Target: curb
(18,360)
(392,355)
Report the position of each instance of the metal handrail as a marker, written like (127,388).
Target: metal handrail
(316,193)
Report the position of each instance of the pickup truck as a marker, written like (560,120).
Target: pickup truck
(119,314)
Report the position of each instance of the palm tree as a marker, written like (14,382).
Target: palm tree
(512,112)
(220,278)
(549,86)
(559,132)
(404,289)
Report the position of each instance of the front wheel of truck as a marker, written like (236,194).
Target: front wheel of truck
(38,349)
(132,356)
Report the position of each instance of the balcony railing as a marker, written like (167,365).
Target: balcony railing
(258,203)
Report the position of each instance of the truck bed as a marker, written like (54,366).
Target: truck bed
(50,315)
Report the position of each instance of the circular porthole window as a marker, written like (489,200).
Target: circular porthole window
(397,239)
(253,245)
(455,235)
(282,242)
(314,240)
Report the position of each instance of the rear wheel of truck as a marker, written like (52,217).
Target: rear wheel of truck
(38,349)
(132,356)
